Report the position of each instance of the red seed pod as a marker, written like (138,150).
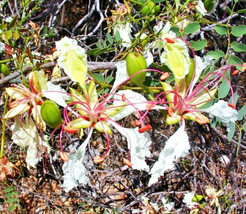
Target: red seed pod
(232,105)
(169,40)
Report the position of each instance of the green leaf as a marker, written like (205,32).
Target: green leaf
(176,31)
(98,51)
(244,126)
(238,30)
(231,132)
(109,79)
(16,34)
(9,189)
(224,87)
(11,200)
(117,36)
(221,30)
(238,47)
(235,98)
(216,54)
(234,60)
(12,207)
(192,28)
(110,38)
(209,5)
(241,11)
(104,44)
(199,45)
(242,112)
(98,77)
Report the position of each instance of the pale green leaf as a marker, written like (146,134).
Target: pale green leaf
(199,45)
(238,47)
(238,30)
(19,109)
(234,60)
(192,28)
(216,54)
(221,30)
(242,112)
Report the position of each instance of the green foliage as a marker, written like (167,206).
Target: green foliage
(199,45)
(221,30)
(11,195)
(192,28)
(238,47)
(216,54)
(239,30)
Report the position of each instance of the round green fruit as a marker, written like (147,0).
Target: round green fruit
(4,69)
(135,62)
(51,114)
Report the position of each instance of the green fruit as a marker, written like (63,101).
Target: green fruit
(148,8)
(145,10)
(4,69)
(51,114)
(135,62)
(157,8)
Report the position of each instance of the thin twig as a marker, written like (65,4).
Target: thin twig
(92,66)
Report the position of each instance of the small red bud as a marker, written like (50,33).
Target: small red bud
(235,72)
(170,111)
(123,97)
(169,40)
(232,105)
(137,123)
(144,128)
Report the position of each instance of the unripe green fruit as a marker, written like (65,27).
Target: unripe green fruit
(135,62)
(149,8)
(157,9)
(4,69)
(51,114)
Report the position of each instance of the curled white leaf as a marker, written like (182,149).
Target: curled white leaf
(177,146)
(138,144)
(74,170)
(223,112)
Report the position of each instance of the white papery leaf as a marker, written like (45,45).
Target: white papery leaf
(201,64)
(26,135)
(56,93)
(125,33)
(74,170)
(121,74)
(177,146)
(135,100)
(200,7)
(138,144)
(223,112)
